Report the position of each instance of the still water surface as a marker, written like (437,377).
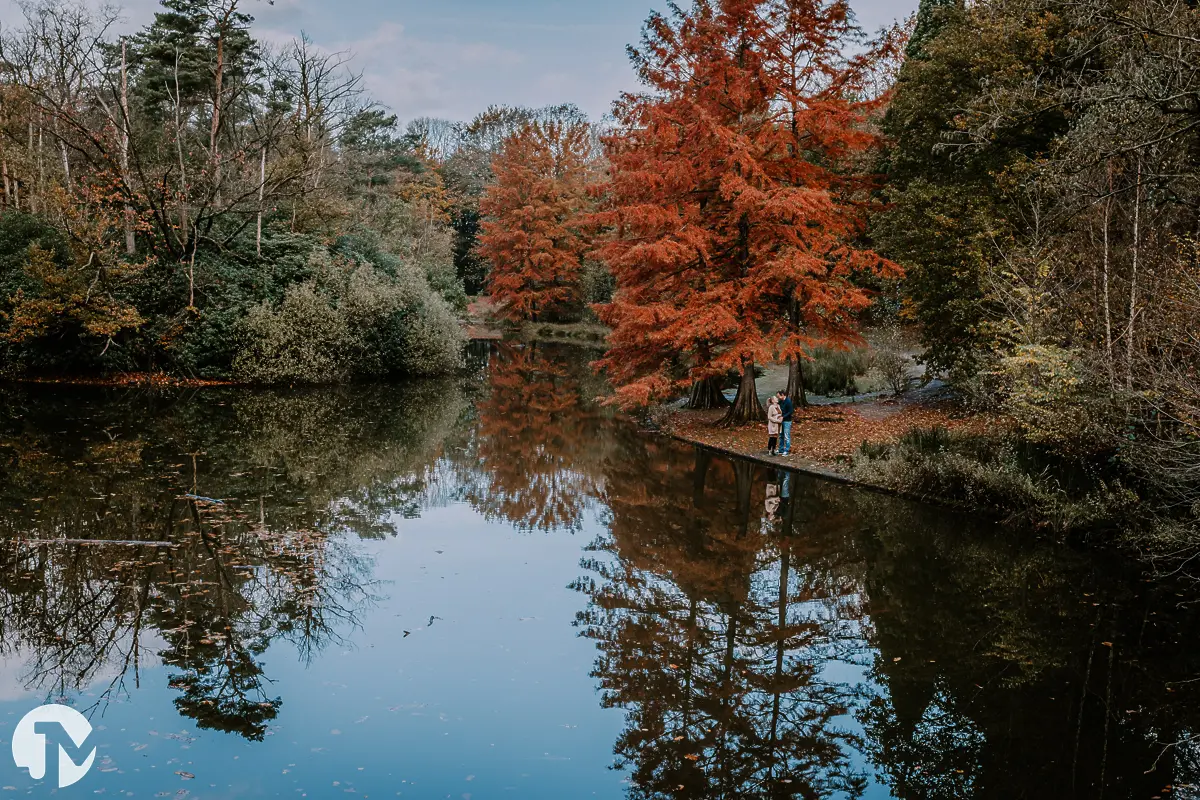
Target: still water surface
(492,588)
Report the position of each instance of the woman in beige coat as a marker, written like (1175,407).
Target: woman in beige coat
(774,424)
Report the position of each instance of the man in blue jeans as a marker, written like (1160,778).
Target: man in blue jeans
(789,409)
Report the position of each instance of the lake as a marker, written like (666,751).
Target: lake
(493,587)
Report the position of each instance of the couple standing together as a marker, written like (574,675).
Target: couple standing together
(780,410)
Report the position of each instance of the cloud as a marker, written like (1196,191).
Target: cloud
(22,681)
(485,55)
(416,77)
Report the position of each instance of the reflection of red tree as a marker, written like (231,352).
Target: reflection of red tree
(696,616)
(539,442)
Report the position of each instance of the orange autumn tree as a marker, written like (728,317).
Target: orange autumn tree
(734,200)
(531,232)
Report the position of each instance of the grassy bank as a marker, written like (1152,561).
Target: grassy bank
(939,453)
(1027,485)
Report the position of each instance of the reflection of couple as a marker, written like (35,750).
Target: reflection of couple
(780,410)
(777,491)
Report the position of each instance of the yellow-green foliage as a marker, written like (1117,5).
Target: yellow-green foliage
(1045,392)
(350,320)
(304,340)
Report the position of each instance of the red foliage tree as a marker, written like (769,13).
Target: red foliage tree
(532,213)
(734,197)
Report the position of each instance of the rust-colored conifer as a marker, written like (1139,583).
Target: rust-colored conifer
(734,196)
(532,213)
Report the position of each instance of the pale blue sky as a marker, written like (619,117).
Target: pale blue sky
(451,58)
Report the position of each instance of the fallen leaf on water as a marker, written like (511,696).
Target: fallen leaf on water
(187,776)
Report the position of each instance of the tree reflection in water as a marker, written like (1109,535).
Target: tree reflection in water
(1019,669)
(716,634)
(774,636)
(536,456)
(216,582)
(766,635)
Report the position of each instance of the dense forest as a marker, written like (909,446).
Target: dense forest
(1040,190)
(1015,181)
(188,199)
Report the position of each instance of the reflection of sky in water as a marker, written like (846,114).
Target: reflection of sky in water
(493,699)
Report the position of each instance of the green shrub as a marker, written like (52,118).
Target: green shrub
(305,340)
(436,263)
(351,320)
(19,230)
(1046,392)
(64,346)
(998,474)
(927,440)
(446,283)
(400,324)
(301,311)
(874,450)
(205,343)
(596,285)
(431,341)
(832,372)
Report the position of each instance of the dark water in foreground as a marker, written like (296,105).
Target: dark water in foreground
(490,588)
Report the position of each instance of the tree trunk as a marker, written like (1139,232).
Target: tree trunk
(66,161)
(796,363)
(707,394)
(785,558)
(1131,333)
(262,186)
(33,186)
(7,193)
(746,408)
(66,158)
(130,240)
(1108,325)
(192,275)
(796,381)
(184,234)
(218,98)
(690,665)
(700,478)
(37,195)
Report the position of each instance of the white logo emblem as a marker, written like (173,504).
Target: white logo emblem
(51,739)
